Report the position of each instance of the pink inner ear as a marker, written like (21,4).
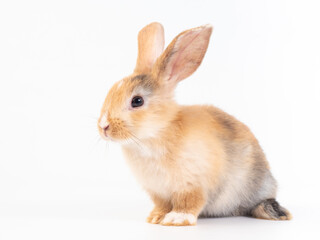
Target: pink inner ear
(184,55)
(182,47)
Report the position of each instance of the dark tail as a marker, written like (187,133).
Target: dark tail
(270,209)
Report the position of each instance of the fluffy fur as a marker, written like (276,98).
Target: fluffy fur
(192,160)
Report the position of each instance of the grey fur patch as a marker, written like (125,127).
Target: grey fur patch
(260,184)
(272,206)
(140,77)
(225,120)
(145,81)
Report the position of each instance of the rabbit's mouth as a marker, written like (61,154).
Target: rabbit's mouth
(104,135)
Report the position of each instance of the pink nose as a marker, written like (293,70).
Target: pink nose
(105,128)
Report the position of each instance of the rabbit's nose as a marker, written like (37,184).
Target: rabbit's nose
(105,128)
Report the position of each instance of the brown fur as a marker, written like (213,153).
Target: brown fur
(188,202)
(150,46)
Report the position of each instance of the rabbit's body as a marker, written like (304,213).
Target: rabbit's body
(232,170)
(192,160)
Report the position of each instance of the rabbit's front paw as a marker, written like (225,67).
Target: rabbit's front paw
(179,219)
(156,216)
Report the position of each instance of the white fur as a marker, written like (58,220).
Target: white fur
(179,218)
(145,162)
(103,123)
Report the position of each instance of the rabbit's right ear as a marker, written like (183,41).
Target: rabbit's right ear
(150,46)
(183,56)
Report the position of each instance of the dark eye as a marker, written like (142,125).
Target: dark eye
(137,101)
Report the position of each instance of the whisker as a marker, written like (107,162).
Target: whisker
(145,127)
(94,143)
(94,118)
(136,140)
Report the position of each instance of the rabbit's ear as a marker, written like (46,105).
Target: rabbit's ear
(150,46)
(183,56)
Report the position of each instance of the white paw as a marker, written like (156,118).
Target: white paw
(177,218)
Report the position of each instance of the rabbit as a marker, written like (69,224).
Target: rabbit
(193,161)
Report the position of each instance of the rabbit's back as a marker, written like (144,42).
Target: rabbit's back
(245,179)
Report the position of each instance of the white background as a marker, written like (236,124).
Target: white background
(59,58)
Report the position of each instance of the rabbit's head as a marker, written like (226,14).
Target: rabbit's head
(141,105)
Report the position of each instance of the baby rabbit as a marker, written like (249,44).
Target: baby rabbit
(192,160)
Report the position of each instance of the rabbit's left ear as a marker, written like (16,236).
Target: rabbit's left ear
(183,56)
(150,46)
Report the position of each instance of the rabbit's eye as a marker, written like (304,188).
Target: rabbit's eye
(137,101)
